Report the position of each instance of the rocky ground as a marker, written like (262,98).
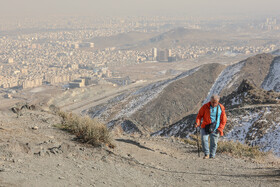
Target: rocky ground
(35,153)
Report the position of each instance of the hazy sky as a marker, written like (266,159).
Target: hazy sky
(137,7)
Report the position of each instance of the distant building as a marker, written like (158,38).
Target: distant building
(74,66)
(75,46)
(154,53)
(163,55)
(33,46)
(120,81)
(10,60)
(24,71)
(172,59)
(78,83)
(31,83)
(8,96)
(86,45)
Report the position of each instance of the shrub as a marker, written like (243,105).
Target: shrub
(240,150)
(87,130)
(233,148)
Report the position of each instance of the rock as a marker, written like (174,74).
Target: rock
(35,128)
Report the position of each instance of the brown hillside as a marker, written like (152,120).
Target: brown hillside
(254,70)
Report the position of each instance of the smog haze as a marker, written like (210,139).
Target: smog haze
(137,8)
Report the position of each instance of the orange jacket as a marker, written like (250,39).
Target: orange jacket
(204,113)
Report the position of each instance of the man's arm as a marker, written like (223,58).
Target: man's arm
(199,117)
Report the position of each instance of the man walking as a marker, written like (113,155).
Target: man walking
(212,112)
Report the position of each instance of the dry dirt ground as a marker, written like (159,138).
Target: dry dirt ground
(35,153)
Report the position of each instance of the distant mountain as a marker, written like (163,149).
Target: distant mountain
(178,36)
(122,40)
(175,34)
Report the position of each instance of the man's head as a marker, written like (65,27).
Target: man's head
(214,100)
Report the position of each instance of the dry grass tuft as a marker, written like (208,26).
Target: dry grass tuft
(240,150)
(88,130)
(233,148)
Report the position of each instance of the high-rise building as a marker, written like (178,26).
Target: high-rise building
(154,53)
(169,52)
(163,55)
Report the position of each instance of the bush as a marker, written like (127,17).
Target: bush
(233,148)
(88,130)
(240,150)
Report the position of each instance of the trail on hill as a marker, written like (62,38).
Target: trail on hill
(35,153)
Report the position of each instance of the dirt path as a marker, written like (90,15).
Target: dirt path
(255,106)
(50,157)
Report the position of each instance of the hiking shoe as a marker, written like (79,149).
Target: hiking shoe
(206,157)
(212,158)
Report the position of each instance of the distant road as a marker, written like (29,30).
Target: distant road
(80,106)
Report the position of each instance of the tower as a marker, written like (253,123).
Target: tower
(154,53)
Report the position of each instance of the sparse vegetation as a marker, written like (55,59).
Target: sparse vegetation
(233,148)
(240,150)
(87,130)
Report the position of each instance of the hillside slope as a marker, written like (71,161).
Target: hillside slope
(254,69)
(159,104)
(50,157)
(272,80)
(178,99)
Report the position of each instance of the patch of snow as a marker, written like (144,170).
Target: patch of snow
(240,131)
(226,77)
(271,140)
(272,81)
(235,101)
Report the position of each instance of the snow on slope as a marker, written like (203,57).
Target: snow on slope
(240,130)
(225,79)
(271,140)
(272,81)
(257,128)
